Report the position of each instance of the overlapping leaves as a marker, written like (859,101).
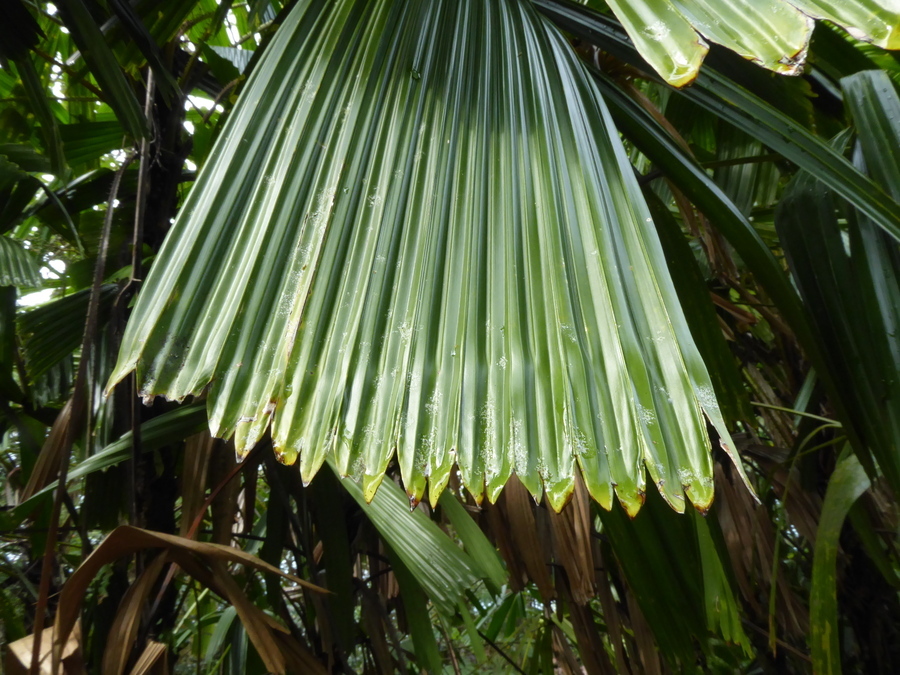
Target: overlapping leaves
(672,34)
(420,234)
(853,268)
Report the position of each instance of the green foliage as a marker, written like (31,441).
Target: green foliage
(773,224)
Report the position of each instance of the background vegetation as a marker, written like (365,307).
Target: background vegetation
(775,199)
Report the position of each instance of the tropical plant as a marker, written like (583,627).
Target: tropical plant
(505,258)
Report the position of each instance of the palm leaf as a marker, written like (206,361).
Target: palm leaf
(725,98)
(847,267)
(670,34)
(170,427)
(846,485)
(420,233)
(53,331)
(434,561)
(103,65)
(18,267)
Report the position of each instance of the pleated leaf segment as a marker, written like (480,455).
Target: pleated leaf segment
(674,35)
(419,234)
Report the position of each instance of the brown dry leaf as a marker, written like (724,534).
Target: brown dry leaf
(18,654)
(739,313)
(803,506)
(152,661)
(197,451)
(749,538)
(590,645)
(737,525)
(759,302)
(690,217)
(252,617)
(566,661)
(881,505)
(223,510)
(643,637)
(325,621)
(528,545)
(499,532)
(372,620)
(125,626)
(263,631)
(791,612)
(718,251)
(200,570)
(204,561)
(298,658)
(380,572)
(614,621)
(644,101)
(46,468)
(571,536)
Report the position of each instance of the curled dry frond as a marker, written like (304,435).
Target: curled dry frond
(204,561)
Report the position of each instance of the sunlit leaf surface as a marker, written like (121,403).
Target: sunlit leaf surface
(672,35)
(876,21)
(419,234)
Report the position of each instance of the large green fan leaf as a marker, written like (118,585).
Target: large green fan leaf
(419,234)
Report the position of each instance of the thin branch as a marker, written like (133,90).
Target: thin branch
(79,406)
(252,537)
(192,532)
(500,652)
(716,164)
(53,197)
(450,649)
(64,99)
(140,208)
(69,70)
(80,527)
(263,28)
(801,413)
(228,87)
(137,240)
(781,643)
(372,597)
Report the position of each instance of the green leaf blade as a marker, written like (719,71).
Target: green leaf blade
(877,21)
(846,485)
(412,243)
(100,58)
(669,34)
(663,36)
